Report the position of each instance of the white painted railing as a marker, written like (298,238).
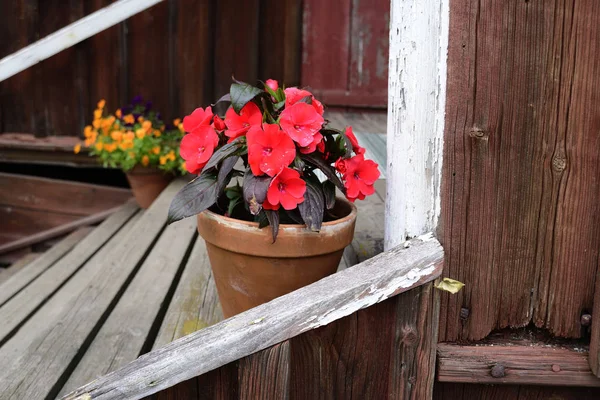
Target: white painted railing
(71,35)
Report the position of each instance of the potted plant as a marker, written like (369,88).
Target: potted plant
(137,141)
(272,160)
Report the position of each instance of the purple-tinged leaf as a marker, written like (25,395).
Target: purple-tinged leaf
(273,217)
(195,197)
(315,160)
(329,192)
(224,170)
(312,208)
(237,147)
(255,190)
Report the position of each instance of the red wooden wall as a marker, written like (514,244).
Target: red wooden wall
(345,53)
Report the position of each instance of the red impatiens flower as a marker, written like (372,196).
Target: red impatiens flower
(301,122)
(355,146)
(270,150)
(286,189)
(359,176)
(238,125)
(198,118)
(272,84)
(196,148)
(219,124)
(317,140)
(340,166)
(294,95)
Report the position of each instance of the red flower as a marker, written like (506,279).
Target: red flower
(196,148)
(219,124)
(317,140)
(197,119)
(301,122)
(321,146)
(238,125)
(272,84)
(286,189)
(294,95)
(270,150)
(359,177)
(340,166)
(355,146)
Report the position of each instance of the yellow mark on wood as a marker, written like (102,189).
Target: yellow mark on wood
(450,285)
(193,325)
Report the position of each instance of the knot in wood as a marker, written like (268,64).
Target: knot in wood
(586,320)
(464,313)
(409,336)
(477,133)
(555,367)
(559,163)
(498,371)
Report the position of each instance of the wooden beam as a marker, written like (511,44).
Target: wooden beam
(515,365)
(416,93)
(595,331)
(313,306)
(71,35)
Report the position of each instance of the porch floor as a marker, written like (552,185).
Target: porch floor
(101,298)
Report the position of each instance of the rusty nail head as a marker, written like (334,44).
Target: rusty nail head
(464,313)
(586,320)
(498,371)
(555,367)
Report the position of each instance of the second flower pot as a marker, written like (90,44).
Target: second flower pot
(250,270)
(147,183)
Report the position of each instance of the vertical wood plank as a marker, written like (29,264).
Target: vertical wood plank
(594,354)
(237,36)
(265,375)
(460,391)
(520,211)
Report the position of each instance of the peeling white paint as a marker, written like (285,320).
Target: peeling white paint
(416,105)
(375,294)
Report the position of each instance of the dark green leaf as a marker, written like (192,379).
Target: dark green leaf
(241,93)
(312,208)
(193,198)
(238,146)
(327,169)
(278,106)
(224,98)
(223,176)
(298,164)
(294,215)
(262,220)
(273,217)
(255,190)
(329,192)
(232,204)
(345,145)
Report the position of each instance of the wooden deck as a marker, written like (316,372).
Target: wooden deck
(100,298)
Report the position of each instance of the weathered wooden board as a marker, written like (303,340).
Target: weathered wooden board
(195,304)
(137,310)
(25,276)
(319,304)
(595,330)
(25,222)
(18,265)
(19,307)
(521,217)
(59,196)
(516,365)
(460,391)
(40,369)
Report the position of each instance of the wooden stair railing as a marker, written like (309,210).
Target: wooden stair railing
(366,332)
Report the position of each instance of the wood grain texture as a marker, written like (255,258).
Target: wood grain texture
(520,211)
(20,307)
(60,196)
(23,222)
(25,276)
(266,374)
(594,332)
(319,304)
(523,365)
(136,310)
(195,304)
(18,265)
(461,391)
(39,371)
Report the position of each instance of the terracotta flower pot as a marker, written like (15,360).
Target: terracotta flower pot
(250,270)
(147,183)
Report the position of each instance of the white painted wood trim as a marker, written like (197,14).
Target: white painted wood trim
(71,35)
(416,105)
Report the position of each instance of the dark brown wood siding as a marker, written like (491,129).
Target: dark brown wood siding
(521,216)
(179,54)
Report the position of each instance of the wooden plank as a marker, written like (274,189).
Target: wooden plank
(23,222)
(71,35)
(265,375)
(24,303)
(319,304)
(57,230)
(195,304)
(525,244)
(57,195)
(39,371)
(417,95)
(595,330)
(25,276)
(18,265)
(518,364)
(26,141)
(461,391)
(237,50)
(137,309)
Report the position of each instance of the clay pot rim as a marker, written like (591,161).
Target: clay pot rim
(254,225)
(141,170)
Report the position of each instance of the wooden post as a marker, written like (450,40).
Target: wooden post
(416,102)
